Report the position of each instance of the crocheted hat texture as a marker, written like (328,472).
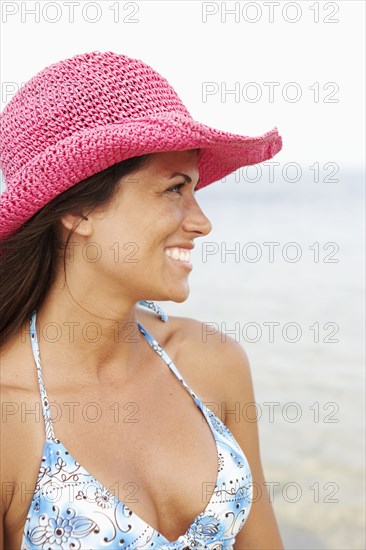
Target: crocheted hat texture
(81,115)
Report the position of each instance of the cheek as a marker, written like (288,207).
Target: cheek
(106,240)
(125,244)
(130,237)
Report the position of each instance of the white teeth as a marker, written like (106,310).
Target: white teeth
(175,254)
(178,254)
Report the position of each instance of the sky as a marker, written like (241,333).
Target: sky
(298,66)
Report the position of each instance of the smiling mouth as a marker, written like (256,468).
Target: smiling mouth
(179,254)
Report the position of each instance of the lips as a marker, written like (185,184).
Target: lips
(183,244)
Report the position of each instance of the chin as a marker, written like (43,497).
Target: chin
(175,295)
(180,299)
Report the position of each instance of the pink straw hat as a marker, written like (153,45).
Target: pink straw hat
(84,114)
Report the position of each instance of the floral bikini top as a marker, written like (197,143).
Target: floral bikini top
(70,509)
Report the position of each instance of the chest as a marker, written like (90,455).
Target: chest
(149,446)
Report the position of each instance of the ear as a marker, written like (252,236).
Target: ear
(81,222)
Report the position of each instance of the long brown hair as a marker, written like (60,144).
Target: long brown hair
(28,257)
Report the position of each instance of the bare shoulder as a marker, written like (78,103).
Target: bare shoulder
(212,363)
(15,361)
(214,360)
(208,342)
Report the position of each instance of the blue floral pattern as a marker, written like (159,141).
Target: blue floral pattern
(70,509)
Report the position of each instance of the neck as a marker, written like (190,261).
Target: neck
(83,337)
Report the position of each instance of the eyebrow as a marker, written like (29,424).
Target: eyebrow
(185,176)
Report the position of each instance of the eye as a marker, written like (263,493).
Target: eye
(177,186)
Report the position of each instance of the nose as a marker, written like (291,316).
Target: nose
(195,220)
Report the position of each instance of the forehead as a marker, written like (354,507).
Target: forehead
(164,163)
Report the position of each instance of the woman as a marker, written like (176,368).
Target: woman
(103,445)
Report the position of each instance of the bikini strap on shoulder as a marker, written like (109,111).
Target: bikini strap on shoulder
(157,309)
(44,398)
(159,350)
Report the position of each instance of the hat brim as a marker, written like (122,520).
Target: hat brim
(55,170)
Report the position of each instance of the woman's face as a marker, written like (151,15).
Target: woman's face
(125,243)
